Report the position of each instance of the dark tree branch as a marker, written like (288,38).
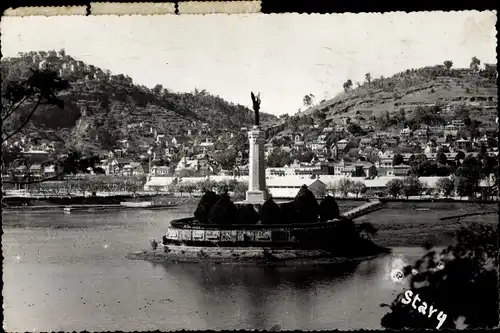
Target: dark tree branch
(24,122)
(13,109)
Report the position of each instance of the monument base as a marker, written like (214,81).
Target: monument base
(256,197)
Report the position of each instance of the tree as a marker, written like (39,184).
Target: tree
(461,281)
(441,158)
(345,186)
(368,78)
(394,187)
(207,201)
(21,98)
(448,64)
(474,64)
(358,187)
(226,159)
(347,85)
(247,214)
(397,159)
(446,186)
(308,100)
(328,209)
(240,188)
(412,186)
(306,206)
(468,175)
(355,129)
(224,211)
(271,212)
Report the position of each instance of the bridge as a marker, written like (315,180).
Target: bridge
(364,209)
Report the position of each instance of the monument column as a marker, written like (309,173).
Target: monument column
(257,192)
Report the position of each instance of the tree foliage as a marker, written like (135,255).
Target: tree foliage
(345,186)
(205,205)
(412,186)
(465,286)
(394,187)
(271,212)
(397,159)
(328,209)
(446,186)
(247,214)
(306,205)
(224,211)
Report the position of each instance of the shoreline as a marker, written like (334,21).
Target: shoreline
(254,256)
(113,201)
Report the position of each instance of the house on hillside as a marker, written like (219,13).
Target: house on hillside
(463,144)
(458,123)
(298,137)
(36,171)
(400,170)
(159,171)
(342,144)
(207,145)
(451,130)
(187,164)
(365,169)
(405,133)
(133,169)
(179,140)
(365,142)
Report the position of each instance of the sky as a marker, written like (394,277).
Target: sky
(282,56)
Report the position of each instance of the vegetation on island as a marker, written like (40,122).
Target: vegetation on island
(347,239)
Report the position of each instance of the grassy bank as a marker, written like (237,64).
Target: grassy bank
(413,224)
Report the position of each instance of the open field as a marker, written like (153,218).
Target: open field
(407,224)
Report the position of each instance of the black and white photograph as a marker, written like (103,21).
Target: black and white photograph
(250,171)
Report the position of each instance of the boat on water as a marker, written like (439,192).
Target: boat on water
(187,241)
(140,204)
(152,204)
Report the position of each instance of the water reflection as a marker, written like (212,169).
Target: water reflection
(259,295)
(69,279)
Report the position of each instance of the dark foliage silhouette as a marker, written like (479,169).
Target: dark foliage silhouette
(328,209)
(271,212)
(224,211)
(306,206)
(207,201)
(466,286)
(248,215)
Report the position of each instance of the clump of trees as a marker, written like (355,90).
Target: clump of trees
(306,206)
(248,215)
(205,205)
(224,211)
(461,281)
(271,213)
(218,209)
(328,209)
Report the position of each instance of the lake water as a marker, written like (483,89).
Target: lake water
(68,272)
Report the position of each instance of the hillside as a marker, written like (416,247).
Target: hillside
(101,108)
(408,90)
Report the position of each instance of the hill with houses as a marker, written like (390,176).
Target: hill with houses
(428,98)
(105,111)
(423,121)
